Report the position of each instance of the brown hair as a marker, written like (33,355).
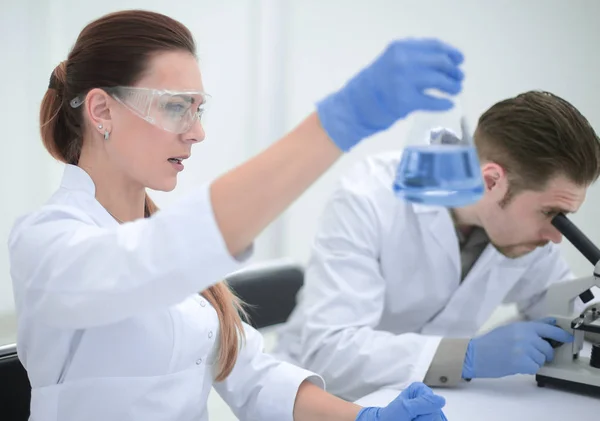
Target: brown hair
(114,51)
(536,136)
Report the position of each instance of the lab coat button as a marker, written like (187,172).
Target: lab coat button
(210,334)
(444,379)
(202,303)
(199,361)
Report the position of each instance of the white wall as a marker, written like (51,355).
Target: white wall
(24,172)
(510,46)
(266,63)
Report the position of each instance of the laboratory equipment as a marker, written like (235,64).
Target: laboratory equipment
(570,368)
(439,165)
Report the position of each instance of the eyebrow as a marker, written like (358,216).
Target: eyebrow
(558,210)
(190,99)
(186,97)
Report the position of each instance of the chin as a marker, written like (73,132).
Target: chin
(514,252)
(164,185)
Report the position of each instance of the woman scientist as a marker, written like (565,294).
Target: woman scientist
(111,325)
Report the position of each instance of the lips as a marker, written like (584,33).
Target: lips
(177,161)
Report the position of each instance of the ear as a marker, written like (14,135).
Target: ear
(495,179)
(98,109)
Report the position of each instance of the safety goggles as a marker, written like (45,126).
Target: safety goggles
(173,111)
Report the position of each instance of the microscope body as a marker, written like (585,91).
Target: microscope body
(570,368)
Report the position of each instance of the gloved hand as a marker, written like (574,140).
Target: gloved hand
(517,348)
(390,88)
(417,402)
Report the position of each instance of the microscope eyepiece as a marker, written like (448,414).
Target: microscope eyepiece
(581,243)
(577,238)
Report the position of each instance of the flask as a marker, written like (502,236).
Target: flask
(439,165)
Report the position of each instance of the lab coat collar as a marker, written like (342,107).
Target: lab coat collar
(420,208)
(75,178)
(441,228)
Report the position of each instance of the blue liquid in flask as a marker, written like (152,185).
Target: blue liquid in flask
(439,175)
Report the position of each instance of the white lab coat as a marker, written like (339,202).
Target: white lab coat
(110,325)
(383,286)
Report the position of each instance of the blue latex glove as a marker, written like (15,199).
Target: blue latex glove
(390,88)
(417,402)
(517,348)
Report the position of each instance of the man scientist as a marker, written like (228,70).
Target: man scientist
(396,292)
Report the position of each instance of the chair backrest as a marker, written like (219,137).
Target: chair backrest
(269,291)
(15,390)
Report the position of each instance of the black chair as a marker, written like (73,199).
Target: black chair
(269,291)
(15,390)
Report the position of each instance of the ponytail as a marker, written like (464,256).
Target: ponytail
(60,132)
(228,308)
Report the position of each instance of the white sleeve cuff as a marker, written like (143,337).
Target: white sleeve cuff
(278,399)
(425,358)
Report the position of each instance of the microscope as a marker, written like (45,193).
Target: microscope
(570,369)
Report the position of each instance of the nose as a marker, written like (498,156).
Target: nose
(195,134)
(552,234)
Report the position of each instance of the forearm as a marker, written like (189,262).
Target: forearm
(248,198)
(314,404)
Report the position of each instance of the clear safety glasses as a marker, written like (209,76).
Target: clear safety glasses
(172,111)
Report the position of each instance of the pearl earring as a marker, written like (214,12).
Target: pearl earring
(99,126)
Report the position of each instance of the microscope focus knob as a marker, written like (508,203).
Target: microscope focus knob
(553,343)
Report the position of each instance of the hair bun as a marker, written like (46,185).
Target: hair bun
(58,78)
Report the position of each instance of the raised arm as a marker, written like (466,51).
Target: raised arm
(249,197)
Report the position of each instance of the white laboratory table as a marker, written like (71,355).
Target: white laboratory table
(515,398)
